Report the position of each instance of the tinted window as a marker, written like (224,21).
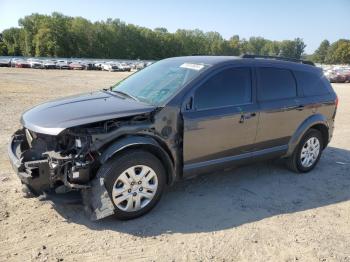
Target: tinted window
(231,86)
(311,83)
(275,83)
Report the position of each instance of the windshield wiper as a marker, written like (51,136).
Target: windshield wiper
(124,94)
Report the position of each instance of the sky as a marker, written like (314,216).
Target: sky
(311,20)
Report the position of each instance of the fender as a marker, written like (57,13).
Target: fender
(301,130)
(141,141)
(96,199)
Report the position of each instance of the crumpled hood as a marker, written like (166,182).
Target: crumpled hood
(53,117)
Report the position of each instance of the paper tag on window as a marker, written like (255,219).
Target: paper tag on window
(196,67)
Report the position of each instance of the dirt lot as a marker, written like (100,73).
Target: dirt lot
(260,212)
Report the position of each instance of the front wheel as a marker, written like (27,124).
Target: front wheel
(307,153)
(135,181)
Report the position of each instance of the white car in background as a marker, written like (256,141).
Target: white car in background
(13,61)
(140,65)
(124,67)
(62,64)
(111,67)
(99,65)
(48,64)
(35,63)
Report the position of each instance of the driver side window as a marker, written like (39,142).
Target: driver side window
(229,87)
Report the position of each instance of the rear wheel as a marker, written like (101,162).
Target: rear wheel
(307,153)
(135,181)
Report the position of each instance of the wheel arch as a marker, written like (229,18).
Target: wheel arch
(324,131)
(141,142)
(316,121)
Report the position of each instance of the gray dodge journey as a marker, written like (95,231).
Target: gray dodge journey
(177,118)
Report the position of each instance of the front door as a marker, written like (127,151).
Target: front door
(223,119)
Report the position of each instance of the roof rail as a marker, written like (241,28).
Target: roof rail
(279,58)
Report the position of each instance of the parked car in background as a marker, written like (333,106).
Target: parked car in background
(22,64)
(5,63)
(336,77)
(35,63)
(337,73)
(62,64)
(14,60)
(124,67)
(133,66)
(79,64)
(140,65)
(98,65)
(76,66)
(88,65)
(346,73)
(111,67)
(49,64)
(175,119)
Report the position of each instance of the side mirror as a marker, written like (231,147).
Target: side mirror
(189,103)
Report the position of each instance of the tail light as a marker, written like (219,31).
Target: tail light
(336,101)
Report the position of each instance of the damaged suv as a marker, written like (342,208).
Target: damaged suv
(174,119)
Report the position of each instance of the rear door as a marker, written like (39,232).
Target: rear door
(223,119)
(280,109)
(318,95)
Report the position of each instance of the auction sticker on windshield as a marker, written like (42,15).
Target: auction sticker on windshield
(196,67)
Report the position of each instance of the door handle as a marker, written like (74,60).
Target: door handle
(246,116)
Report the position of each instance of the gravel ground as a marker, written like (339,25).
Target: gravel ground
(260,212)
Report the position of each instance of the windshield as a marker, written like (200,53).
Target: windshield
(159,81)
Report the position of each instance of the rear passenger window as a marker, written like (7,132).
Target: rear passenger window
(311,83)
(275,83)
(231,86)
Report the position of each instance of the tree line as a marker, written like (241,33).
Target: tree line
(57,35)
(336,53)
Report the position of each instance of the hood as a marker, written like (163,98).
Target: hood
(53,117)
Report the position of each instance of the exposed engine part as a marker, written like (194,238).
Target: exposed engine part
(70,160)
(55,161)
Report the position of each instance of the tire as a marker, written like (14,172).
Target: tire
(137,196)
(299,164)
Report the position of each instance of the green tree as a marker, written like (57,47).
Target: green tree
(339,52)
(234,45)
(65,36)
(12,38)
(256,45)
(3,47)
(214,44)
(161,30)
(292,48)
(321,52)
(271,48)
(44,42)
(80,38)
(30,26)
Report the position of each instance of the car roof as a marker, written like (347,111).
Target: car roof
(218,60)
(210,60)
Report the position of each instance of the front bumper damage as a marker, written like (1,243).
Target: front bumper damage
(97,203)
(50,171)
(70,159)
(34,174)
